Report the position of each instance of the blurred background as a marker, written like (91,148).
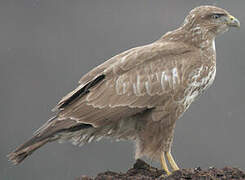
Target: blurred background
(46,46)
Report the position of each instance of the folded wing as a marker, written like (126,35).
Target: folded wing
(131,82)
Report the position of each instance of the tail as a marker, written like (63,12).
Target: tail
(26,149)
(50,131)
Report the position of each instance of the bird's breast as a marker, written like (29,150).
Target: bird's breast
(199,80)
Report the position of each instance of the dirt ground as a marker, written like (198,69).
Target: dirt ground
(141,170)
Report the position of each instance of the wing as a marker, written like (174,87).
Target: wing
(126,84)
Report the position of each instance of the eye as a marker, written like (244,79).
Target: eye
(216,16)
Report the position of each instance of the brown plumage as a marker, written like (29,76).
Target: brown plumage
(139,94)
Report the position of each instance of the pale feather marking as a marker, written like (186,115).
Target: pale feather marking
(118,86)
(124,88)
(134,89)
(213,45)
(163,77)
(175,75)
(138,84)
(147,87)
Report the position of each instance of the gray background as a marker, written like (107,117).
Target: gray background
(46,46)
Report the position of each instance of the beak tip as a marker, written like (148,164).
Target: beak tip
(236,23)
(233,21)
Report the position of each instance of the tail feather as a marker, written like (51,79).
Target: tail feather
(44,126)
(47,134)
(26,149)
(50,131)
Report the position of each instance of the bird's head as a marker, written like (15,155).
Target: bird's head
(210,19)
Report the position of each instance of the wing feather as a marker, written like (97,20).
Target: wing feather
(132,82)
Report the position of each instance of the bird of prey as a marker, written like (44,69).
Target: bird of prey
(140,93)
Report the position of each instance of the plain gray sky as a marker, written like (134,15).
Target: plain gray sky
(47,45)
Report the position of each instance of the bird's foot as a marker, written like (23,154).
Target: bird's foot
(171,161)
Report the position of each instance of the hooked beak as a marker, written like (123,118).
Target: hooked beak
(232,21)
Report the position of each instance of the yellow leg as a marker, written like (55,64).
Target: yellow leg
(171,161)
(164,164)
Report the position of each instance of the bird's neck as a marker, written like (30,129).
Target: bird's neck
(194,36)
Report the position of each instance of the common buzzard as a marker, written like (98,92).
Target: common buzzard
(140,93)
